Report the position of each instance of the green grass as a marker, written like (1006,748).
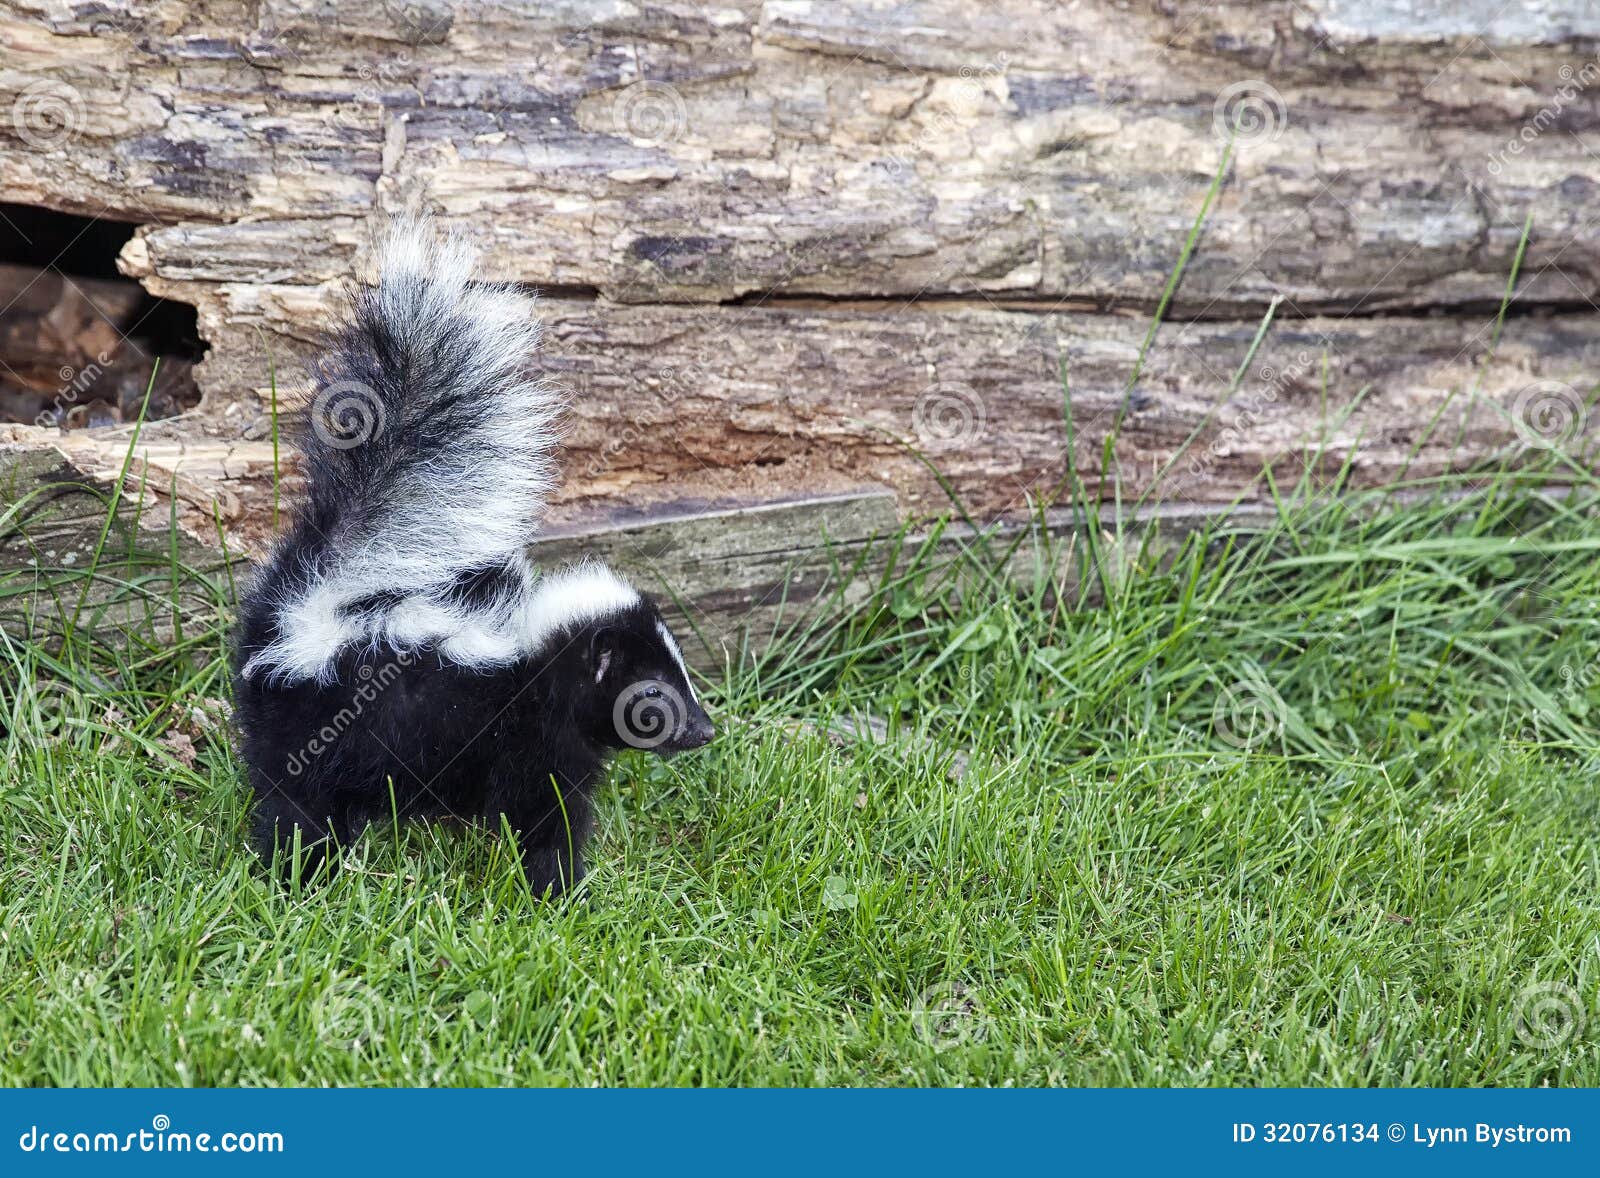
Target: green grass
(1311,807)
(1313,804)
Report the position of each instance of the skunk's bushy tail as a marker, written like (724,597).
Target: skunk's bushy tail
(427,447)
(428,452)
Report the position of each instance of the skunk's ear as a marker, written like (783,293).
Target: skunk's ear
(602,652)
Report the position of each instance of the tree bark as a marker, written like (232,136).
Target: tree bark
(781,240)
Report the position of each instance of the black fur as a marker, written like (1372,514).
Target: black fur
(409,735)
(523,736)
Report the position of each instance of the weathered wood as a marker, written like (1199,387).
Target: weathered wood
(706,407)
(728,577)
(63,566)
(667,151)
(735,580)
(783,235)
(730,580)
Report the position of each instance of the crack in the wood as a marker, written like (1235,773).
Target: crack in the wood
(800,301)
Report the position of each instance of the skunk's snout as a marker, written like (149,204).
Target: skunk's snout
(697,732)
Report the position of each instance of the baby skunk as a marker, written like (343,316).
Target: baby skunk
(398,654)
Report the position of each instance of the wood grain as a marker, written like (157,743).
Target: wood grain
(780,239)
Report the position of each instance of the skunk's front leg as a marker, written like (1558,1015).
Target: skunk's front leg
(551,870)
(553,839)
(551,819)
(279,819)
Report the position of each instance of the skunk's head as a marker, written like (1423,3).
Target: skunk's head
(641,694)
(631,687)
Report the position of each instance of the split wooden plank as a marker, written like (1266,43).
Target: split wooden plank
(707,407)
(665,152)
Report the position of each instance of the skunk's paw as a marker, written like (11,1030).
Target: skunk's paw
(297,849)
(551,871)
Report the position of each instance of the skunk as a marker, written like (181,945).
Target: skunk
(398,654)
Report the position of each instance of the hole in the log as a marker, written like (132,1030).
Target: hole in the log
(78,341)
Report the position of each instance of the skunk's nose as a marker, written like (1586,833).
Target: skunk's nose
(698,731)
